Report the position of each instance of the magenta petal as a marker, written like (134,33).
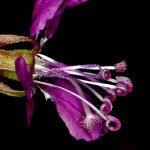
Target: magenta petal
(24,74)
(47,13)
(72,3)
(43,11)
(71,111)
(29,111)
(52,24)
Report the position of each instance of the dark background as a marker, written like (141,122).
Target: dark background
(95,32)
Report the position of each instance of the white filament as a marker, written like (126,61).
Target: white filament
(80,92)
(47,58)
(88,67)
(108,67)
(98,84)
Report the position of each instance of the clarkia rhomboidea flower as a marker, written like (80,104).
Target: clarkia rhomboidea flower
(70,87)
(76,108)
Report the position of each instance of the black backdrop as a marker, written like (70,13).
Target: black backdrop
(95,32)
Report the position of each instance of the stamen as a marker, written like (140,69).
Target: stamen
(112,94)
(112,123)
(39,67)
(47,58)
(99,84)
(121,66)
(89,76)
(92,74)
(49,62)
(104,74)
(74,73)
(89,120)
(92,90)
(88,67)
(106,107)
(82,74)
(108,67)
(126,81)
(121,89)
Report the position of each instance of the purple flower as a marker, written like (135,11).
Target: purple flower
(75,107)
(83,119)
(46,15)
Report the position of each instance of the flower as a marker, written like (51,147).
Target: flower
(76,108)
(83,119)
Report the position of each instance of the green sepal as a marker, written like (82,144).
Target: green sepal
(4,89)
(7,62)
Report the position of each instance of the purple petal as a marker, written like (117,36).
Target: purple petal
(47,13)
(52,25)
(72,3)
(43,11)
(24,74)
(29,111)
(71,111)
